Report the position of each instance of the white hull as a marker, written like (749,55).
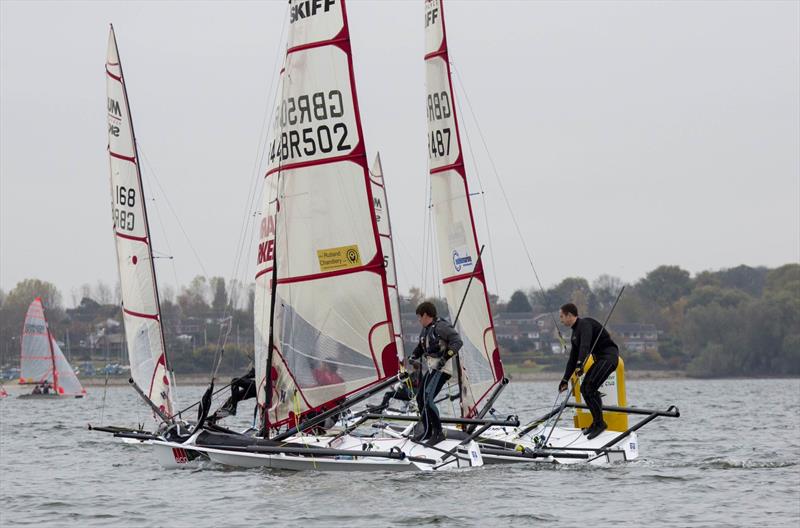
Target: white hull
(189,455)
(565,437)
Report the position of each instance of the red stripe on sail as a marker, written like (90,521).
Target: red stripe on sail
(453,166)
(120,156)
(162,361)
(353,156)
(326,274)
(142,315)
(131,237)
(478,274)
(335,41)
(441,53)
(262,272)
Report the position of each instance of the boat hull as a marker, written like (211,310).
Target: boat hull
(174,455)
(48,396)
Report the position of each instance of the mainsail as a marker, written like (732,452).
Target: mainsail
(140,306)
(381,207)
(41,358)
(457,240)
(332,331)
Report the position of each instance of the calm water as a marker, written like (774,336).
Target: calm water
(732,459)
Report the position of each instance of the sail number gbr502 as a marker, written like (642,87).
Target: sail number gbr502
(326,132)
(439,114)
(124,197)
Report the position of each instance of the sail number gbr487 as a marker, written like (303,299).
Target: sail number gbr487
(309,126)
(439,114)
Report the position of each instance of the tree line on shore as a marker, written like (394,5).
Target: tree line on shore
(741,321)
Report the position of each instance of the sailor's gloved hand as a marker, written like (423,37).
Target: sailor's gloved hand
(579,371)
(442,360)
(562,386)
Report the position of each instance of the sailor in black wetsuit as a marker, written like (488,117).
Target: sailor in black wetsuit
(438,343)
(585,331)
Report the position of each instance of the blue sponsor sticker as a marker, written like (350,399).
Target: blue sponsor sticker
(460,262)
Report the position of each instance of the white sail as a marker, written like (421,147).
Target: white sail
(333,332)
(381,208)
(457,240)
(140,305)
(41,358)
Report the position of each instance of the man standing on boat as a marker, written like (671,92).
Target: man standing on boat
(438,343)
(589,337)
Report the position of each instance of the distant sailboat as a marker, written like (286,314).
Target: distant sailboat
(42,362)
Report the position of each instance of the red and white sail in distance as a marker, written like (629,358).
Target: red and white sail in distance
(457,240)
(380,204)
(140,306)
(41,358)
(333,332)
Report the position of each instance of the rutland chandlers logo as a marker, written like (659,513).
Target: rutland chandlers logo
(460,262)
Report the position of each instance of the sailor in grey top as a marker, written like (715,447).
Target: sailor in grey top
(438,343)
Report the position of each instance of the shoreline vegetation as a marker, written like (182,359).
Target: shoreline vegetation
(736,322)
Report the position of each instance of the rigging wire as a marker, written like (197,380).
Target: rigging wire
(510,209)
(160,217)
(477,173)
(425,233)
(248,225)
(155,178)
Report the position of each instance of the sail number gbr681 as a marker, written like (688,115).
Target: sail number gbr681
(326,132)
(124,197)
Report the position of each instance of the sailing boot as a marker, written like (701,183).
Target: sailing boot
(596,430)
(435,438)
(418,433)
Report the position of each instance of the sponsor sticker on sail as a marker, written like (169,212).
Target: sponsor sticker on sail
(462,260)
(339,258)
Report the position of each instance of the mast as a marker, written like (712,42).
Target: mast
(271,342)
(332,332)
(141,308)
(480,367)
(52,359)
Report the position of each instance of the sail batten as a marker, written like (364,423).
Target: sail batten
(456,236)
(140,304)
(319,241)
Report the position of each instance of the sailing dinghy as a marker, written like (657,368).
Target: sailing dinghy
(480,375)
(324,324)
(41,361)
(326,303)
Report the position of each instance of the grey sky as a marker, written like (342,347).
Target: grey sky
(626,134)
